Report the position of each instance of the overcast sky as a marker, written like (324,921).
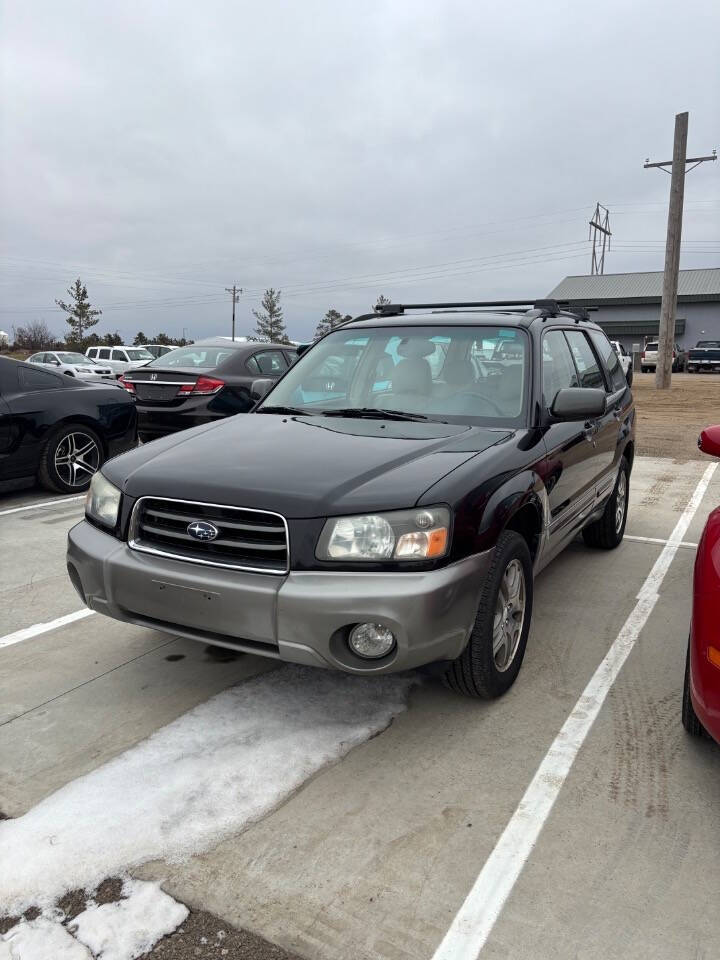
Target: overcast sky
(444,150)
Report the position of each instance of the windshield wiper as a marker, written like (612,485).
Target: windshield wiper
(288,411)
(374,413)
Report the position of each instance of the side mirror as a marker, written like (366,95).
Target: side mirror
(301,348)
(578,403)
(709,441)
(55,363)
(260,388)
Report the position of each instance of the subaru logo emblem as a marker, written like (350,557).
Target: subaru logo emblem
(153,376)
(201,530)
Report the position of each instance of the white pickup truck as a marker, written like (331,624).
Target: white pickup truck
(120,359)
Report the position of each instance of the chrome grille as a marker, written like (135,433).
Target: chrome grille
(254,540)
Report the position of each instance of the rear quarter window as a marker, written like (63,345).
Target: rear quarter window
(32,379)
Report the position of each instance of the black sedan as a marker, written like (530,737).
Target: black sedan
(206,381)
(58,430)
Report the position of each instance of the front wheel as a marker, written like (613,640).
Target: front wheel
(607,532)
(491,661)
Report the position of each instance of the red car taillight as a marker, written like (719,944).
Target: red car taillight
(128,384)
(642,355)
(202,388)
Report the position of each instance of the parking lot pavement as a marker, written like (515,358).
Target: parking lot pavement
(375,855)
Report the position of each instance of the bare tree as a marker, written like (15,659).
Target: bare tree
(35,335)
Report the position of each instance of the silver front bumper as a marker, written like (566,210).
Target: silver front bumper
(302,617)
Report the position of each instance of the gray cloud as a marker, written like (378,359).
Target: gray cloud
(163,151)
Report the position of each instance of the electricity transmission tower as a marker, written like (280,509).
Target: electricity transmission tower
(600,235)
(678,164)
(235,291)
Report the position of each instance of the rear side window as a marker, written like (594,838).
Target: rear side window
(269,362)
(610,359)
(104,354)
(91,352)
(585,360)
(558,367)
(119,355)
(31,379)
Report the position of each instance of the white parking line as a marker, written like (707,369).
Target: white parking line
(683,543)
(27,632)
(476,918)
(39,504)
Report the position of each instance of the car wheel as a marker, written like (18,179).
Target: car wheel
(643,369)
(491,661)
(607,532)
(689,717)
(70,457)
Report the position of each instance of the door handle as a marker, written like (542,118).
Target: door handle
(590,429)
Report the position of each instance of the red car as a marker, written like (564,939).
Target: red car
(701,692)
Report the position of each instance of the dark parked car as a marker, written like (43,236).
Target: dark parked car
(58,429)
(704,356)
(410,476)
(203,382)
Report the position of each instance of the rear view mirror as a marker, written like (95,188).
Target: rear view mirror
(578,403)
(709,441)
(261,387)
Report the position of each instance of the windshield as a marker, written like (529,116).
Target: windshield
(135,353)
(73,358)
(462,374)
(195,356)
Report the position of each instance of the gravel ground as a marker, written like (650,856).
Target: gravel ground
(669,421)
(202,936)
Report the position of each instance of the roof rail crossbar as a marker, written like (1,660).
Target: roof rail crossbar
(540,308)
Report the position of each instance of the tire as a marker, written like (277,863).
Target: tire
(58,470)
(607,532)
(689,717)
(480,671)
(643,369)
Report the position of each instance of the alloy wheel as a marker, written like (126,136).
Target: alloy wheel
(77,457)
(509,615)
(620,501)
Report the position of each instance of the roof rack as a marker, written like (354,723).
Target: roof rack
(532,309)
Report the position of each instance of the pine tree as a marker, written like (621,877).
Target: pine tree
(140,339)
(331,320)
(270,325)
(80,315)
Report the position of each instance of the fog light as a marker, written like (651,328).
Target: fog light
(371,640)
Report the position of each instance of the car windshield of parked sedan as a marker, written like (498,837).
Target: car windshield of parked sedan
(195,356)
(74,358)
(462,374)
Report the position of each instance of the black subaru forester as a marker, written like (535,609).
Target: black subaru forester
(388,502)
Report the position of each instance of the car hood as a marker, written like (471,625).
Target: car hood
(301,466)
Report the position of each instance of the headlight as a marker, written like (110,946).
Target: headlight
(83,369)
(420,534)
(103,500)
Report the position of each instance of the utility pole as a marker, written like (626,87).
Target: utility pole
(235,291)
(599,227)
(680,160)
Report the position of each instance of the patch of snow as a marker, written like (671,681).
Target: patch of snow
(129,928)
(201,778)
(41,939)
